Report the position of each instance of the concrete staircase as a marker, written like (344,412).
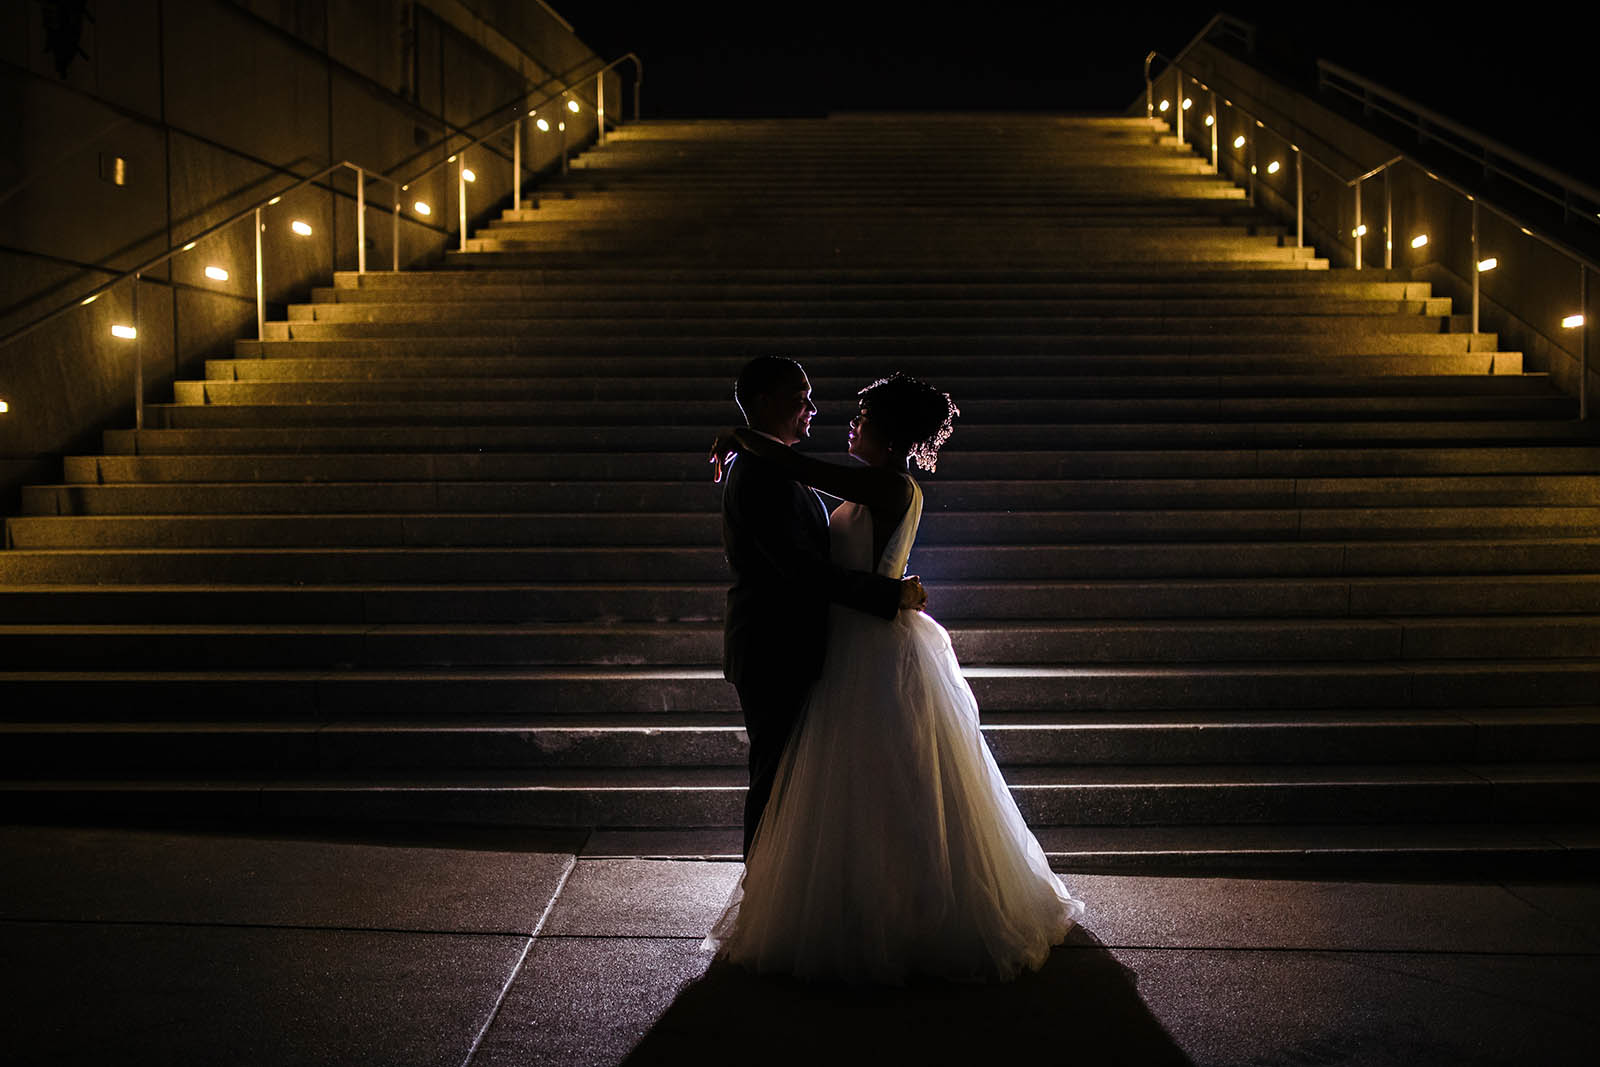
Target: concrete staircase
(1252,561)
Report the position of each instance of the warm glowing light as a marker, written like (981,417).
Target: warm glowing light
(274,200)
(127,333)
(1487,264)
(190,246)
(1187,103)
(1359,231)
(1164,105)
(1272,168)
(421,208)
(4,407)
(561,126)
(1252,168)
(1238,142)
(1525,230)
(533,112)
(1572,322)
(1260,125)
(572,106)
(468,176)
(89,300)
(301,228)
(544,127)
(1419,241)
(1211,120)
(216,274)
(452,159)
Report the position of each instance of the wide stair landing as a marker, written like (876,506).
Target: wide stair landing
(1249,560)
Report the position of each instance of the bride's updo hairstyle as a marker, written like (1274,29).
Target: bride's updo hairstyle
(915,417)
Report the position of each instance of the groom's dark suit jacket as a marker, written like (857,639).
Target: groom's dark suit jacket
(775,533)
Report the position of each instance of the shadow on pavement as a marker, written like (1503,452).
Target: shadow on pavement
(1081,1007)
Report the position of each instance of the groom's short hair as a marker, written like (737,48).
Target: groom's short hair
(762,375)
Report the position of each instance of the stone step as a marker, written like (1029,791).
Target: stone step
(645,207)
(1100,687)
(672,258)
(692,441)
(102,744)
(332,404)
(646,599)
(1219,310)
(954,465)
(701,528)
(394,646)
(713,797)
(1020,497)
(1422,561)
(998,350)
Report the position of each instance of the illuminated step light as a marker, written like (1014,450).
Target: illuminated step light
(4,407)
(1487,264)
(274,200)
(301,228)
(1359,231)
(532,112)
(1165,104)
(1572,322)
(127,333)
(190,246)
(86,301)
(468,176)
(421,208)
(1419,241)
(572,106)
(1273,167)
(544,127)
(561,126)
(1238,142)
(1211,120)
(452,159)
(1252,168)
(216,274)
(1187,103)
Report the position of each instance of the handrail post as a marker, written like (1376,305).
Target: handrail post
(1177,102)
(1388,222)
(261,297)
(1476,270)
(1216,123)
(561,128)
(394,242)
(461,196)
(638,82)
(1355,231)
(600,107)
(1251,163)
(1149,92)
(1583,343)
(516,167)
(361,221)
(138,361)
(1299,198)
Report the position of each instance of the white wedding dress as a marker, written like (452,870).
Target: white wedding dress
(891,846)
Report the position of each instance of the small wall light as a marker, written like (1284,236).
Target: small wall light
(86,301)
(1252,168)
(544,127)
(1487,264)
(468,176)
(1187,103)
(216,274)
(532,112)
(421,208)
(561,125)
(1359,231)
(301,228)
(1165,104)
(1238,142)
(572,106)
(1419,241)
(190,246)
(1211,120)
(127,333)
(1572,322)
(4,407)
(1272,168)
(452,159)
(274,200)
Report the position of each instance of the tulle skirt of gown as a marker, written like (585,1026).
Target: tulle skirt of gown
(891,846)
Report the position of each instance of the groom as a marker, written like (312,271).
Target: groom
(775,534)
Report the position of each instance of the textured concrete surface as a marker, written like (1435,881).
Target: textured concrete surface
(153,948)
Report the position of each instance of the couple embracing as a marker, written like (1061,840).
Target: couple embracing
(880,840)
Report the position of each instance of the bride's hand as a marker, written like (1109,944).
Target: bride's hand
(912,596)
(725,445)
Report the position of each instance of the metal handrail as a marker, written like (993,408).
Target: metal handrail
(1583,262)
(459,156)
(1488,147)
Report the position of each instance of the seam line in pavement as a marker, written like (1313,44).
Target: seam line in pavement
(494,1012)
(330,928)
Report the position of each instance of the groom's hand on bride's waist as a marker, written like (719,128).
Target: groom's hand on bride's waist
(912,596)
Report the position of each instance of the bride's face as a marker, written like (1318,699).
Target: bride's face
(866,443)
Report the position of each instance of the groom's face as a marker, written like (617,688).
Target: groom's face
(791,410)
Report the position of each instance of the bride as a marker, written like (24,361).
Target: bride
(891,845)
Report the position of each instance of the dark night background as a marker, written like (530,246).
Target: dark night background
(1523,73)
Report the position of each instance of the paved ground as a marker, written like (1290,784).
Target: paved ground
(141,947)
